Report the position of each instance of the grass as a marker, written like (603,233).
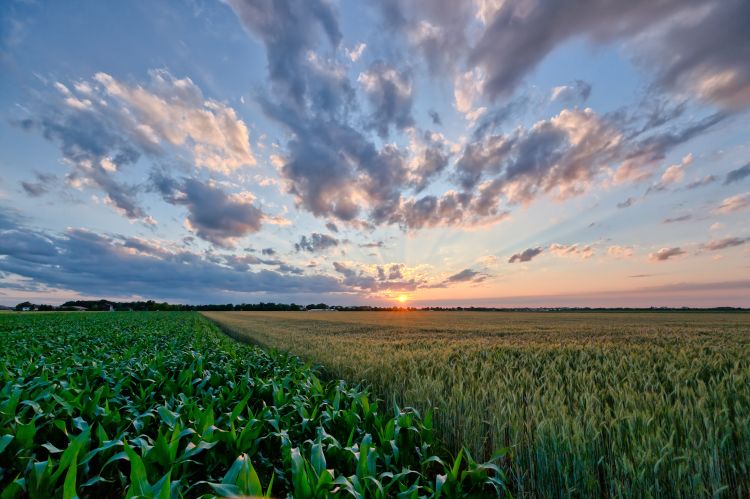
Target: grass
(592,404)
(165,405)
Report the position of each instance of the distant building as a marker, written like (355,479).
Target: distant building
(76,307)
(25,309)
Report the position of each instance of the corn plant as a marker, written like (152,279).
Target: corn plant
(164,405)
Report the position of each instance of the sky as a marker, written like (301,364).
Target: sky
(486,152)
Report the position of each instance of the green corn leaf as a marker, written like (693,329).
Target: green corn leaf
(69,487)
(139,484)
(318,459)
(5,440)
(299,475)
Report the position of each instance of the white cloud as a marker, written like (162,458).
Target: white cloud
(355,53)
(174,111)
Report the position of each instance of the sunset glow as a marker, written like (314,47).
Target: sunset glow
(476,153)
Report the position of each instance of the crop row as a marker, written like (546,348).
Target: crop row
(593,405)
(164,405)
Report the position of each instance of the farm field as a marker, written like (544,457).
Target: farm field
(165,405)
(591,404)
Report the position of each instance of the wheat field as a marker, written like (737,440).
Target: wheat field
(589,404)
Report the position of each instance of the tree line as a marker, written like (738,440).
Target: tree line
(152,306)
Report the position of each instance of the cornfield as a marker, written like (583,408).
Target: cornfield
(164,405)
(589,404)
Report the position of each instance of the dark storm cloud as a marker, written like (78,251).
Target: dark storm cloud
(526,255)
(95,264)
(316,243)
(214,215)
(727,242)
(42,185)
(737,175)
(389,92)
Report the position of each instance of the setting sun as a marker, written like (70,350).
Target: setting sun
(403,298)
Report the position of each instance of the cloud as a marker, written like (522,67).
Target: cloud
(584,252)
(463,276)
(268,251)
(526,255)
(704,52)
(698,50)
(289,29)
(389,92)
(681,218)
(332,227)
(331,168)
(561,155)
(627,203)
(665,254)
(620,252)
(316,243)
(213,214)
(673,174)
(174,111)
(334,169)
(467,90)
(104,126)
(466,275)
(452,209)
(737,175)
(355,53)
(108,265)
(708,179)
(727,242)
(579,91)
(435,118)
(42,185)
(641,157)
(734,203)
(378,244)
(378,279)
(437,30)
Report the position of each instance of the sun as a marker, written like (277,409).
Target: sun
(403,298)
